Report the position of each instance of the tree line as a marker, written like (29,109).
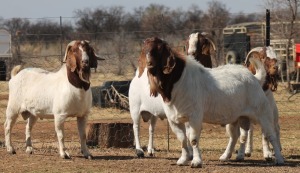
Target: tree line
(150,19)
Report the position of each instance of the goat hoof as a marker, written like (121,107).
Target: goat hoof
(66,157)
(248,154)
(151,152)
(140,153)
(268,159)
(29,150)
(196,165)
(12,152)
(182,162)
(225,158)
(90,157)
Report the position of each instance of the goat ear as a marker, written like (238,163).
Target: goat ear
(68,49)
(93,60)
(71,63)
(153,85)
(142,63)
(171,62)
(206,47)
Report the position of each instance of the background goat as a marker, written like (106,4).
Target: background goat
(223,95)
(150,108)
(36,93)
(200,46)
(267,56)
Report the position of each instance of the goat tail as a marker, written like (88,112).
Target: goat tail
(15,70)
(261,73)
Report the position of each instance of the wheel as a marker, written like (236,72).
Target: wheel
(230,57)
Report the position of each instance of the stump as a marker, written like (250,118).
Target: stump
(106,135)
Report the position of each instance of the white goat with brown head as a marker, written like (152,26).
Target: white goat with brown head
(36,93)
(269,58)
(193,94)
(201,47)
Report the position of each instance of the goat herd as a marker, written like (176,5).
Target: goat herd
(185,89)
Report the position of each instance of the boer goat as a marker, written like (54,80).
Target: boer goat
(193,94)
(36,93)
(150,108)
(268,57)
(199,46)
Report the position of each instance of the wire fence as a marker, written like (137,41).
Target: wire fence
(121,51)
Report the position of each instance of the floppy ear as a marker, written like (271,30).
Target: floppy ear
(94,58)
(68,49)
(153,85)
(142,62)
(69,58)
(168,68)
(206,47)
(71,62)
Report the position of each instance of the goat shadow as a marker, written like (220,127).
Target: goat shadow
(259,163)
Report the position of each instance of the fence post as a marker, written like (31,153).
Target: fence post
(61,40)
(267,27)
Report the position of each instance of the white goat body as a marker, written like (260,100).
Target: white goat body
(149,108)
(36,93)
(193,94)
(246,133)
(45,94)
(223,95)
(142,105)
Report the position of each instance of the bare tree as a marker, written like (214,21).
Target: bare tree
(242,17)
(285,13)
(155,19)
(193,18)
(216,18)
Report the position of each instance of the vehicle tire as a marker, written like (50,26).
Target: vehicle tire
(230,57)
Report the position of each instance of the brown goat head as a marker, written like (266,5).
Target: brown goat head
(199,46)
(80,57)
(162,61)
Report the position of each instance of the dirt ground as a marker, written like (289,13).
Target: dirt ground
(213,142)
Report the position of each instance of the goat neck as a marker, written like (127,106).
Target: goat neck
(75,80)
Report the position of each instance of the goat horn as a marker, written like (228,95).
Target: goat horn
(99,58)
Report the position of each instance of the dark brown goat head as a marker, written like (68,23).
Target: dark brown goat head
(161,62)
(80,57)
(158,55)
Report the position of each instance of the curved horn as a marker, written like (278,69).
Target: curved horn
(99,58)
(67,49)
(257,50)
(212,43)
